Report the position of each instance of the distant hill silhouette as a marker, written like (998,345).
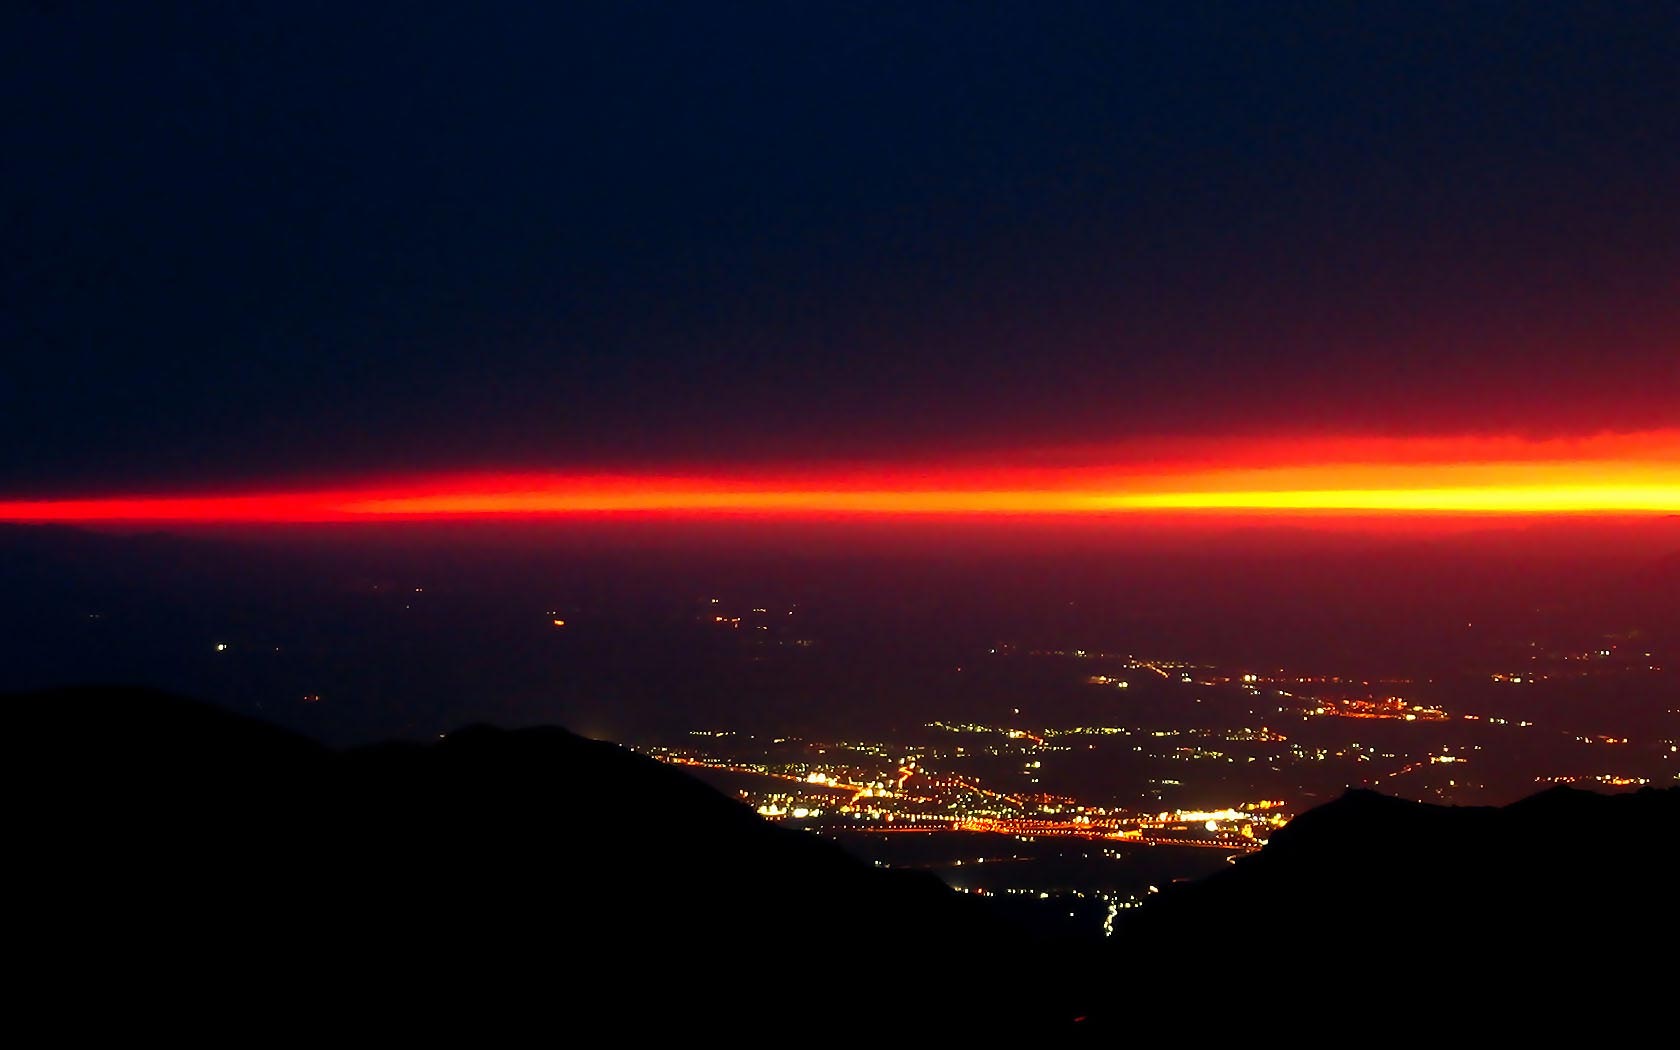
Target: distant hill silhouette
(492,878)
(185,869)
(1416,919)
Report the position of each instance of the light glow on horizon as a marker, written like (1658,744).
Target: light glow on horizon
(1610,475)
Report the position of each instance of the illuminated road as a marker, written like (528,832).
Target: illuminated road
(1054,829)
(1100,830)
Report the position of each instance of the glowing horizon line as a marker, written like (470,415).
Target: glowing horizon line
(1609,473)
(582,499)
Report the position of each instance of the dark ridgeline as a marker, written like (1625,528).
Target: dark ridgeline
(189,866)
(1392,918)
(189,871)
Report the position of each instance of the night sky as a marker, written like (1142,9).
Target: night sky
(249,244)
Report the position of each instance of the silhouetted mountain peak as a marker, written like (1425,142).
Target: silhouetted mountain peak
(495,879)
(1573,882)
(485,866)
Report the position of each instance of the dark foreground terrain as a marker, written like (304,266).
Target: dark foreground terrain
(188,871)
(1554,915)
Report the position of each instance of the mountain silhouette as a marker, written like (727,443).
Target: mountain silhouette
(191,871)
(1417,919)
(490,878)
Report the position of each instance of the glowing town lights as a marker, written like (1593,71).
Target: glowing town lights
(1210,816)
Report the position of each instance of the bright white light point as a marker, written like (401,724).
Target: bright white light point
(1212,825)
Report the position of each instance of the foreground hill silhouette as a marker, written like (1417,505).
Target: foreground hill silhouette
(1555,912)
(489,879)
(190,870)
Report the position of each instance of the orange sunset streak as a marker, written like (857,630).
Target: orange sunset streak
(1616,474)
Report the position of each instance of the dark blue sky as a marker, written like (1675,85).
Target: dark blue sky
(272,240)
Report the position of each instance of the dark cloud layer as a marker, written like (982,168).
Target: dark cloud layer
(282,239)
